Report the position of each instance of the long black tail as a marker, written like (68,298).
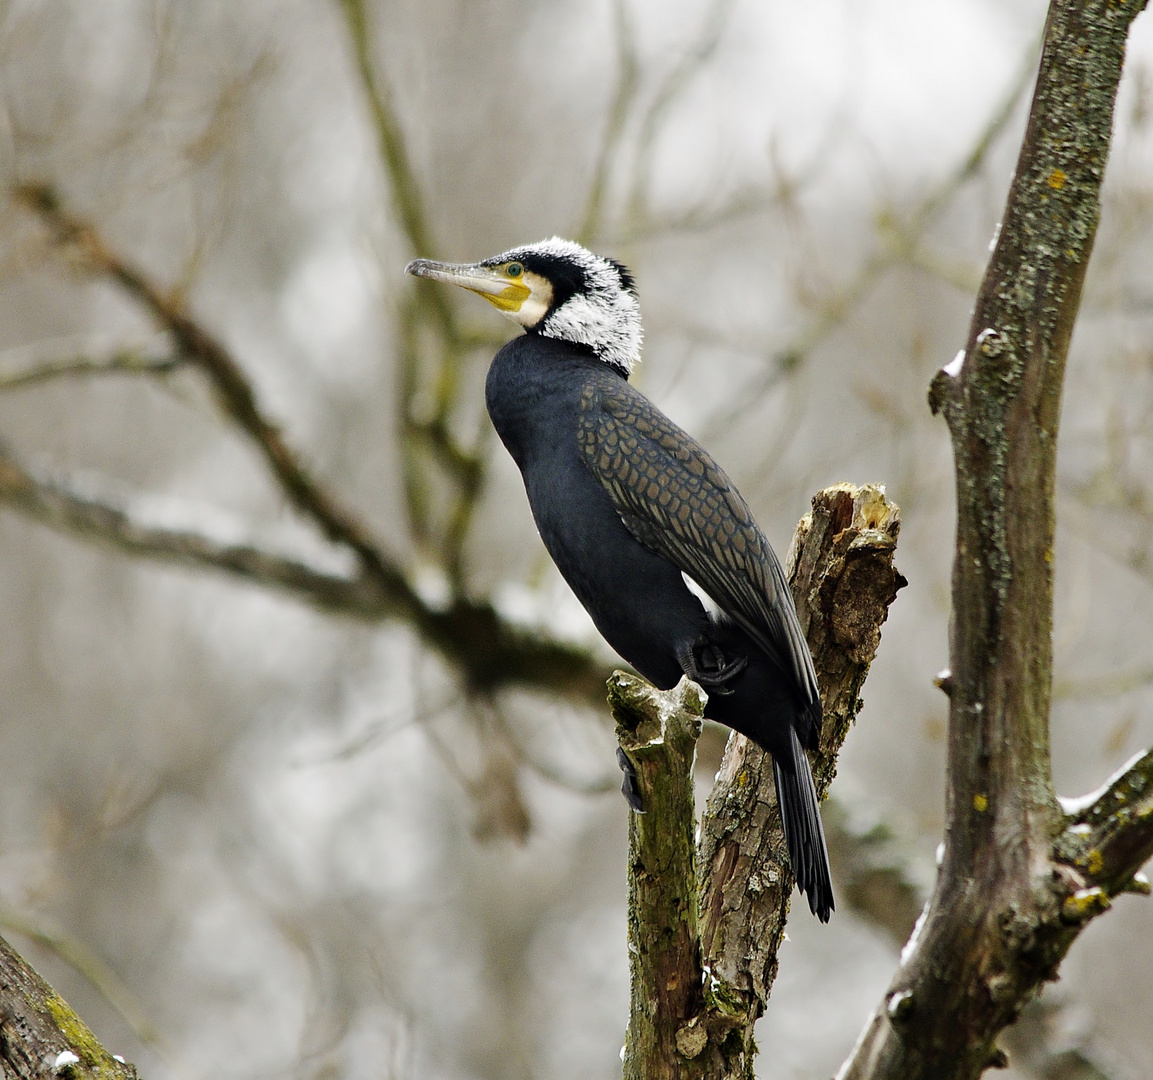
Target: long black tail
(803,831)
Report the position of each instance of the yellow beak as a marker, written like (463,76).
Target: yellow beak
(494,285)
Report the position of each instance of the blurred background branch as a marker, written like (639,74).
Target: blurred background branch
(236,394)
(901,240)
(31,365)
(474,635)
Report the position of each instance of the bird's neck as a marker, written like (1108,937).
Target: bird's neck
(533,391)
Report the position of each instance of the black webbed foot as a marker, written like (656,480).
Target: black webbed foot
(629,787)
(705,664)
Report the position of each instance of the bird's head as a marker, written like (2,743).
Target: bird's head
(558,289)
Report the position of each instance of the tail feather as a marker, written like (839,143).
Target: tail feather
(804,834)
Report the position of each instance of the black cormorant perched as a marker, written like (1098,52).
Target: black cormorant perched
(646,528)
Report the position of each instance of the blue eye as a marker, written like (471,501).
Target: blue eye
(514,269)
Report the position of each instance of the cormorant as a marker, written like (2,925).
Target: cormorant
(645,527)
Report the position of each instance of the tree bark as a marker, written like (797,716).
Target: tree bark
(40,1035)
(658,733)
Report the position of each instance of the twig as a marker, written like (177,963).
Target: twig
(601,785)
(628,78)
(900,241)
(429,308)
(672,86)
(940,197)
(53,360)
(406,191)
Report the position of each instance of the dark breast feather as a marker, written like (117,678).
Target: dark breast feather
(679,503)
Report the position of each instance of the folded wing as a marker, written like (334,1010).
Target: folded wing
(679,503)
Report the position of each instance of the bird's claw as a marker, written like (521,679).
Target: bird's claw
(714,677)
(630,789)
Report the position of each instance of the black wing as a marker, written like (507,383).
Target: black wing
(678,502)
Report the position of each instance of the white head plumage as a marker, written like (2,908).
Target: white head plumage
(594,303)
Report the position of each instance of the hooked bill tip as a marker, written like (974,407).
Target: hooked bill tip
(430,268)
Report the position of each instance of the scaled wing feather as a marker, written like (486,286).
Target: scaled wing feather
(678,502)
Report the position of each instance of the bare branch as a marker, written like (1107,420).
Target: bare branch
(597,785)
(1110,833)
(625,97)
(877,878)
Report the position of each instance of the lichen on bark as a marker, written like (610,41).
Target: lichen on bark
(40,1033)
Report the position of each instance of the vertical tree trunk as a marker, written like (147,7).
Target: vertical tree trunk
(1000,919)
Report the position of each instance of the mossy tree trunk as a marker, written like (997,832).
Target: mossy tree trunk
(40,1035)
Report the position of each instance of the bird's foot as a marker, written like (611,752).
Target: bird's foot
(630,789)
(706,664)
